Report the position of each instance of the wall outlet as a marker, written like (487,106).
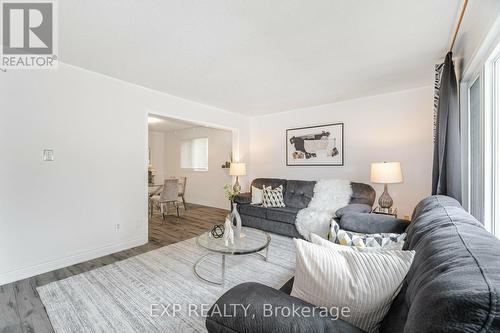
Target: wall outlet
(118,227)
(48,155)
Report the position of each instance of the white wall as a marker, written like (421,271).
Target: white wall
(203,187)
(156,142)
(478,20)
(390,127)
(54,214)
(478,36)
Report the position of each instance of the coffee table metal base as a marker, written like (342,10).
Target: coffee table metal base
(223,267)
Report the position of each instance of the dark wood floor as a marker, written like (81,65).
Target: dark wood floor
(20,307)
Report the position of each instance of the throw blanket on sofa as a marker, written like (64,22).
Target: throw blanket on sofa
(329,196)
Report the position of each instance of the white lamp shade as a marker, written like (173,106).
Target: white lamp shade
(238,169)
(386,172)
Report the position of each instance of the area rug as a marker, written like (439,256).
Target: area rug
(157,291)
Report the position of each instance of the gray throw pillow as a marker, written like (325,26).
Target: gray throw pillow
(353,208)
(372,223)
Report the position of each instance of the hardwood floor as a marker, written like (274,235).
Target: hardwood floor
(21,309)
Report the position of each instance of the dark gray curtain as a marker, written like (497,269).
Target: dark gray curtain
(446,171)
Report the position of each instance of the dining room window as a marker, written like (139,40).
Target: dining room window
(194,154)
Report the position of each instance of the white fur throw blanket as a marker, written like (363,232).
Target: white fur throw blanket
(329,196)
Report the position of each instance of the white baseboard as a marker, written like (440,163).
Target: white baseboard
(33,270)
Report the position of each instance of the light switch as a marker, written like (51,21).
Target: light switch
(48,155)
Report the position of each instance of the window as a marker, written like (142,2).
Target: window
(194,154)
(476,158)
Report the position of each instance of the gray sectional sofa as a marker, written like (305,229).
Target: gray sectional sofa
(453,284)
(296,195)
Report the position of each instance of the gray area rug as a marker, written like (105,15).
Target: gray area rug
(132,295)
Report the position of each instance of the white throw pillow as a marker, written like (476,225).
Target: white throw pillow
(364,282)
(256,196)
(315,239)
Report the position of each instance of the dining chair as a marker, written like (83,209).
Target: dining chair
(169,194)
(152,191)
(182,190)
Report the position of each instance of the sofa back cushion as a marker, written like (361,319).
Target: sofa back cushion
(273,182)
(362,194)
(453,284)
(301,191)
(298,193)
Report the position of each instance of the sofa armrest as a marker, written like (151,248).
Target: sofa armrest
(372,223)
(353,208)
(253,307)
(243,198)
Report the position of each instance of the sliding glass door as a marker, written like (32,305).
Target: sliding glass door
(495,144)
(476,150)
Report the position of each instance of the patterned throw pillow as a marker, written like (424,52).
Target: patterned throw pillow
(344,237)
(272,198)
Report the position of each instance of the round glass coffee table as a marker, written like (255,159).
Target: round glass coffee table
(254,241)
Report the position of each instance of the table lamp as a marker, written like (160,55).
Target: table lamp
(237,169)
(386,173)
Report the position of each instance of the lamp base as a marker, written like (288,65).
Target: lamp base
(237,186)
(385,200)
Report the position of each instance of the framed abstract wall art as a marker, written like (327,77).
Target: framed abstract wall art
(315,145)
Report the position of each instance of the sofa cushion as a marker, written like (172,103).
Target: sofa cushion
(285,214)
(353,208)
(275,227)
(362,194)
(273,182)
(372,223)
(243,198)
(256,298)
(253,210)
(453,284)
(298,193)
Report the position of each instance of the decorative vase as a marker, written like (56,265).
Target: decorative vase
(236,220)
(228,235)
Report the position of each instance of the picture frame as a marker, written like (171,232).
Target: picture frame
(319,145)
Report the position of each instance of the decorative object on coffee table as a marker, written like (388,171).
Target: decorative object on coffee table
(234,216)
(315,145)
(237,169)
(217,231)
(386,173)
(228,236)
(236,221)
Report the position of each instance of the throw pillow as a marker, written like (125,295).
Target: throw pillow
(353,208)
(256,196)
(364,282)
(315,239)
(372,223)
(272,197)
(344,237)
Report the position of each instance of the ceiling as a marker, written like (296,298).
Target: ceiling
(258,56)
(163,124)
